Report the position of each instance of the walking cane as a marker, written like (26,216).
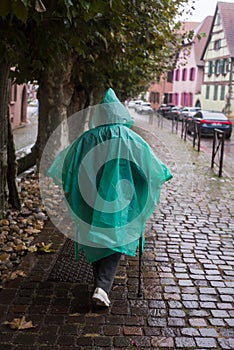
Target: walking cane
(140,294)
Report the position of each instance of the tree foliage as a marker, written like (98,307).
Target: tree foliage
(115,42)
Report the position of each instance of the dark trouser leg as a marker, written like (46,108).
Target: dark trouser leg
(104,271)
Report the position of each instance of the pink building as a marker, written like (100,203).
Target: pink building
(162,91)
(17,102)
(188,75)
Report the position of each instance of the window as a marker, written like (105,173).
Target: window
(217,64)
(225,66)
(184,74)
(210,67)
(168,98)
(221,67)
(177,74)
(190,101)
(218,19)
(154,97)
(207,92)
(176,99)
(182,98)
(170,77)
(222,93)
(217,44)
(192,74)
(185,99)
(215,97)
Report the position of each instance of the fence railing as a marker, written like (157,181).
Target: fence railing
(218,139)
(184,128)
(197,135)
(160,120)
(174,125)
(218,149)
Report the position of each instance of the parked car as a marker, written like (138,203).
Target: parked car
(188,112)
(145,108)
(131,104)
(211,120)
(165,109)
(174,113)
(138,103)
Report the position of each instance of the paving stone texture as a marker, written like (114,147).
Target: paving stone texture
(187,269)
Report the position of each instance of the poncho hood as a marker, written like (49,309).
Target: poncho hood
(110,111)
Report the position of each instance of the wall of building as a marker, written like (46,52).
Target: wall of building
(17,103)
(161,92)
(218,72)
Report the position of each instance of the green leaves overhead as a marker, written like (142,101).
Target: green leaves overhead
(20,10)
(5,8)
(134,38)
(17,8)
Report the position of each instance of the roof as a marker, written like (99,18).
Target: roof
(199,46)
(185,29)
(187,26)
(226,10)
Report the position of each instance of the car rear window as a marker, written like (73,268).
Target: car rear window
(214,116)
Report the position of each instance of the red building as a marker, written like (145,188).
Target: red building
(161,92)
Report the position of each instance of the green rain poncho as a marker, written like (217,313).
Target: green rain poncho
(112,181)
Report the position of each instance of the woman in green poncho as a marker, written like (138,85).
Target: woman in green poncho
(112,181)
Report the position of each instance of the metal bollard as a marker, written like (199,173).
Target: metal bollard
(197,135)
(218,149)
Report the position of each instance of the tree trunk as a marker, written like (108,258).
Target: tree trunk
(60,96)
(54,96)
(77,120)
(14,198)
(4,75)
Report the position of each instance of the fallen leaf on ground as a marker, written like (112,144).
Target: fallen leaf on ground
(17,273)
(41,248)
(74,315)
(19,323)
(45,248)
(32,248)
(92,314)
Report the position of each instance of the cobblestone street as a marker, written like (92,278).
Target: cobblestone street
(187,273)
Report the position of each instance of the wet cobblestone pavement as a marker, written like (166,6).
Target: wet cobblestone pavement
(187,269)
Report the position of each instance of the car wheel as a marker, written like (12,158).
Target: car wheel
(227,137)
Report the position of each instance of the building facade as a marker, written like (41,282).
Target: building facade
(218,56)
(188,75)
(160,92)
(17,102)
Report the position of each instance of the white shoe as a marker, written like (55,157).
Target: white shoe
(101,297)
